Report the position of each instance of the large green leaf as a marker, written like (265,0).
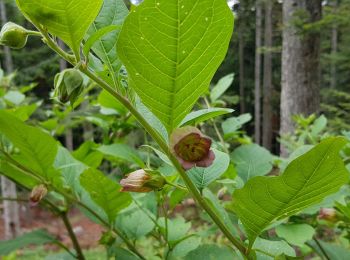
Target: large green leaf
(274,248)
(306,181)
(113,12)
(37,237)
(202,177)
(66,19)
(105,192)
(252,160)
(211,252)
(171,49)
(37,149)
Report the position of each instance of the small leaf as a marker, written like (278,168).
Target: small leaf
(171,50)
(306,181)
(105,192)
(274,248)
(37,237)
(233,124)
(221,87)
(66,19)
(252,160)
(202,115)
(211,252)
(295,234)
(202,177)
(122,151)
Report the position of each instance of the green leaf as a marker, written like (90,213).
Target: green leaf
(252,160)
(105,192)
(122,151)
(274,247)
(184,247)
(233,124)
(221,87)
(135,224)
(37,237)
(66,19)
(37,149)
(333,251)
(211,252)
(202,177)
(17,175)
(306,181)
(177,228)
(15,97)
(295,234)
(87,154)
(96,36)
(202,115)
(113,13)
(171,50)
(122,253)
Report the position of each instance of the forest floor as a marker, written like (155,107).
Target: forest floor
(33,218)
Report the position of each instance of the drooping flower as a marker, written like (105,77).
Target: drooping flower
(191,147)
(142,181)
(328,214)
(38,193)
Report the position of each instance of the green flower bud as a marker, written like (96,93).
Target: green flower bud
(68,85)
(13,36)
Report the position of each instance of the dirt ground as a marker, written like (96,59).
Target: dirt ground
(33,218)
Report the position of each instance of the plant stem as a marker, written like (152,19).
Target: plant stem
(162,144)
(157,138)
(217,131)
(72,236)
(322,249)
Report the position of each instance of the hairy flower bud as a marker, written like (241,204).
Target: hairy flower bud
(38,193)
(68,85)
(142,181)
(13,36)
(191,147)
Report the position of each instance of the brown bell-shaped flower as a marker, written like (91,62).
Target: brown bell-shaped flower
(142,181)
(38,193)
(191,147)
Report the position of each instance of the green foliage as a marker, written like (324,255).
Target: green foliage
(113,14)
(105,192)
(295,234)
(199,116)
(60,18)
(37,237)
(211,252)
(37,149)
(306,181)
(220,88)
(202,177)
(162,44)
(252,160)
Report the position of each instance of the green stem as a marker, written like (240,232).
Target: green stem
(177,186)
(73,237)
(217,131)
(322,249)
(160,141)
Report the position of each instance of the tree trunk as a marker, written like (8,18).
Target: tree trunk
(267,107)
(241,69)
(334,50)
(8,188)
(257,95)
(300,65)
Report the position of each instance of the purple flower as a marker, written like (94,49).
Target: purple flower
(191,147)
